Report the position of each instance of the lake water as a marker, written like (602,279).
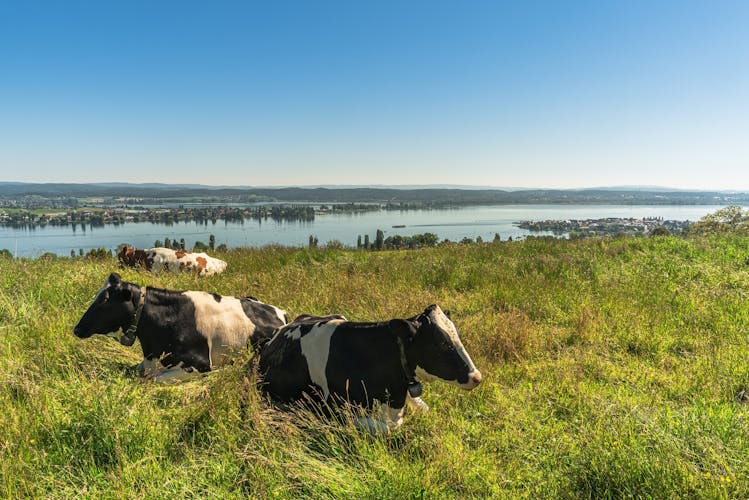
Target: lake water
(453,224)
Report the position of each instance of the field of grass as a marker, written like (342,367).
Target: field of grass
(612,368)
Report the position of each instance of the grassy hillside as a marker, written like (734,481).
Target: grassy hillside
(611,368)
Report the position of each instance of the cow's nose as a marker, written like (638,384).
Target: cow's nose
(476,378)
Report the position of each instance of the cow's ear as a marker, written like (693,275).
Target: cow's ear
(428,311)
(403,328)
(115,279)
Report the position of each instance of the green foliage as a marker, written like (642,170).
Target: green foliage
(379,240)
(612,368)
(335,245)
(99,253)
(732,219)
(660,231)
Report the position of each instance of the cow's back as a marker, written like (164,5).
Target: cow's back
(163,258)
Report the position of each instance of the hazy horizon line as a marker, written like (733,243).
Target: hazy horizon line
(624,187)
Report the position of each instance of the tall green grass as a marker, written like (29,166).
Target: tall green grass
(612,367)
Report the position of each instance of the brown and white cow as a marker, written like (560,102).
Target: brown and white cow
(156,259)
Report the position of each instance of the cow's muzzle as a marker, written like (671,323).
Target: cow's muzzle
(474,379)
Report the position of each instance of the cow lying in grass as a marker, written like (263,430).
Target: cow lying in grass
(156,259)
(369,365)
(182,333)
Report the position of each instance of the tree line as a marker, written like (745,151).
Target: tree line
(398,242)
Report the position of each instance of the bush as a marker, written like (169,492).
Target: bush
(660,231)
(732,219)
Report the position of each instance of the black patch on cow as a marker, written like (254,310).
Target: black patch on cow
(364,365)
(283,369)
(216,297)
(168,332)
(264,317)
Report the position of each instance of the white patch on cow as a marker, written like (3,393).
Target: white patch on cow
(212,265)
(416,404)
(163,258)
(282,315)
(440,319)
(152,369)
(424,376)
(176,374)
(315,347)
(474,378)
(293,334)
(224,325)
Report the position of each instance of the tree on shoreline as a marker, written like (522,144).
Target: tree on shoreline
(731,219)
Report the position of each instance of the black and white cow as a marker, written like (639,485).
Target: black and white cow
(334,360)
(182,333)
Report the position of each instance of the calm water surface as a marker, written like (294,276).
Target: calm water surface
(453,224)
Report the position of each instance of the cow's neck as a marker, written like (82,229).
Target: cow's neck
(409,368)
(128,338)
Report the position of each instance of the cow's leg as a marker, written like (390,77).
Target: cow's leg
(417,404)
(149,368)
(371,425)
(383,421)
(177,373)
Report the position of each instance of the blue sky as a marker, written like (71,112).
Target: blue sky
(530,94)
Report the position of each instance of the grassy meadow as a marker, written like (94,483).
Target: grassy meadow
(612,367)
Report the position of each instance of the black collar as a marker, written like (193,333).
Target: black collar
(414,388)
(128,338)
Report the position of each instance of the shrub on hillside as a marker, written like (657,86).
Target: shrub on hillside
(731,219)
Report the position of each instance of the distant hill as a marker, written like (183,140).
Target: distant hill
(400,194)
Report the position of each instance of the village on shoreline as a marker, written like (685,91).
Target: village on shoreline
(607,226)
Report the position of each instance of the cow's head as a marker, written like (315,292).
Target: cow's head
(126,255)
(112,309)
(434,348)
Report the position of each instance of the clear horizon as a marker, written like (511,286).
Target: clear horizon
(537,95)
